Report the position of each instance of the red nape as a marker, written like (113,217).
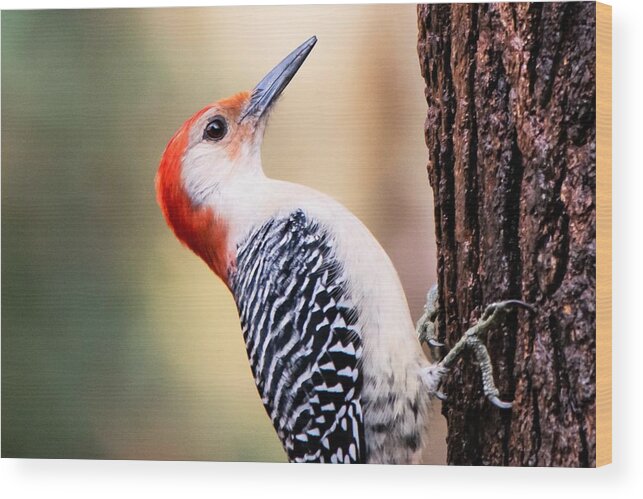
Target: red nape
(197,227)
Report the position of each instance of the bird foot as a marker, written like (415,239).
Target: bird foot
(426,326)
(470,339)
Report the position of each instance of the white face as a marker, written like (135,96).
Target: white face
(220,150)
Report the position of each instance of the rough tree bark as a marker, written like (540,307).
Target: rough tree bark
(511,136)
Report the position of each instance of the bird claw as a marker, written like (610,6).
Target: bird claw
(432,342)
(426,326)
(440,395)
(500,404)
(520,303)
(502,306)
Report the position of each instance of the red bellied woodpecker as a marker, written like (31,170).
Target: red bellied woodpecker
(329,337)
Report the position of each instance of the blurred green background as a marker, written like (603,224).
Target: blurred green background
(116,341)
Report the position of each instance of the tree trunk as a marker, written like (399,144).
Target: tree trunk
(511,137)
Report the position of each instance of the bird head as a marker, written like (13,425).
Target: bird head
(218,145)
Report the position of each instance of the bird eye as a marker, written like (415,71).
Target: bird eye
(215,129)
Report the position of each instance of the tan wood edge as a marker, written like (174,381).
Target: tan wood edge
(603,234)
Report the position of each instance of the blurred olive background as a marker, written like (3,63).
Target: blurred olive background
(117,342)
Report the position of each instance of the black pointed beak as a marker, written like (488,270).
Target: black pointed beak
(270,88)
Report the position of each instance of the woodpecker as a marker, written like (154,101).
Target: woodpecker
(334,353)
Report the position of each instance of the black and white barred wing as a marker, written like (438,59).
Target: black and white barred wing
(302,338)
